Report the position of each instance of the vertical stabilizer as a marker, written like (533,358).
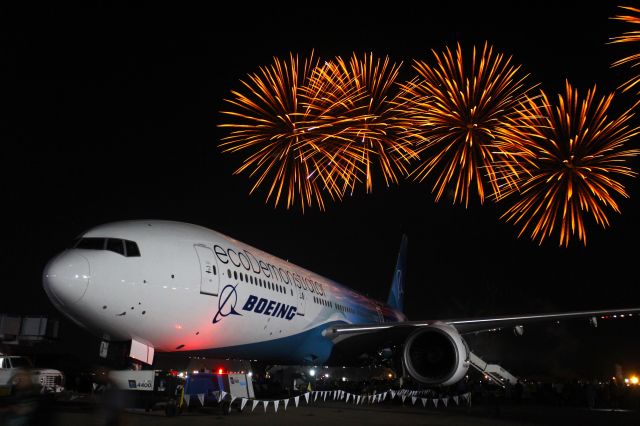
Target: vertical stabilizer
(396,293)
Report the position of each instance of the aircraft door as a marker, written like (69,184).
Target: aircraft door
(209,271)
(301,302)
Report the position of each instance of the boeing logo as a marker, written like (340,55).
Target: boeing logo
(226,303)
(269,307)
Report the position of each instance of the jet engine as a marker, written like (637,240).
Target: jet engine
(436,355)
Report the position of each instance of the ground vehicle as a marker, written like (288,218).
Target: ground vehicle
(149,388)
(15,368)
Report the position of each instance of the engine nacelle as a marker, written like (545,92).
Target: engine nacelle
(436,355)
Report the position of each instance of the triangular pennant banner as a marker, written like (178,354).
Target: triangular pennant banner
(306,396)
(403,398)
(435,402)
(255,403)
(222,395)
(455,399)
(347,398)
(266,404)
(384,396)
(445,401)
(275,405)
(216,395)
(393,394)
(233,398)
(243,403)
(413,400)
(201,398)
(187,399)
(286,402)
(296,400)
(358,400)
(424,402)
(324,396)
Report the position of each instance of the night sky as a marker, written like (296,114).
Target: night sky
(112,114)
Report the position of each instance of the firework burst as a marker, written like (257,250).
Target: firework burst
(575,153)
(367,134)
(318,128)
(629,37)
(271,120)
(460,111)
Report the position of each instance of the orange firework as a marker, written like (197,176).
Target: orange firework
(271,121)
(575,153)
(318,128)
(460,111)
(629,37)
(368,132)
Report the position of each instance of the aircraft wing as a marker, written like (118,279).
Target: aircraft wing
(390,334)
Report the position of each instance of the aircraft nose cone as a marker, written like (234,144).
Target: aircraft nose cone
(66,277)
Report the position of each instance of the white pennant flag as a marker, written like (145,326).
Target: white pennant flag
(455,399)
(424,402)
(435,402)
(286,402)
(384,396)
(445,400)
(255,403)
(347,398)
(324,396)
(233,398)
(296,400)
(222,395)
(187,399)
(216,395)
(413,400)
(275,405)
(403,398)
(201,398)
(243,402)
(393,394)
(306,396)
(358,400)
(266,404)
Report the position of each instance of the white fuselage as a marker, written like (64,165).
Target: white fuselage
(194,289)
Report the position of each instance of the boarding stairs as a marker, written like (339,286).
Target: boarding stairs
(494,371)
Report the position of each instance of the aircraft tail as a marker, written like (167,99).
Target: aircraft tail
(396,293)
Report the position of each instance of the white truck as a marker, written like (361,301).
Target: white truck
(15,368)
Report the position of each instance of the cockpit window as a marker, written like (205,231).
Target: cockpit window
(132,249)
(123,247)
(90,243)
(115,245)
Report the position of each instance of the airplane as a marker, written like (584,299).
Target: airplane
(177,287)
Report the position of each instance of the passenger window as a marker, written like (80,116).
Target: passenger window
(132,248)
(115,245)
